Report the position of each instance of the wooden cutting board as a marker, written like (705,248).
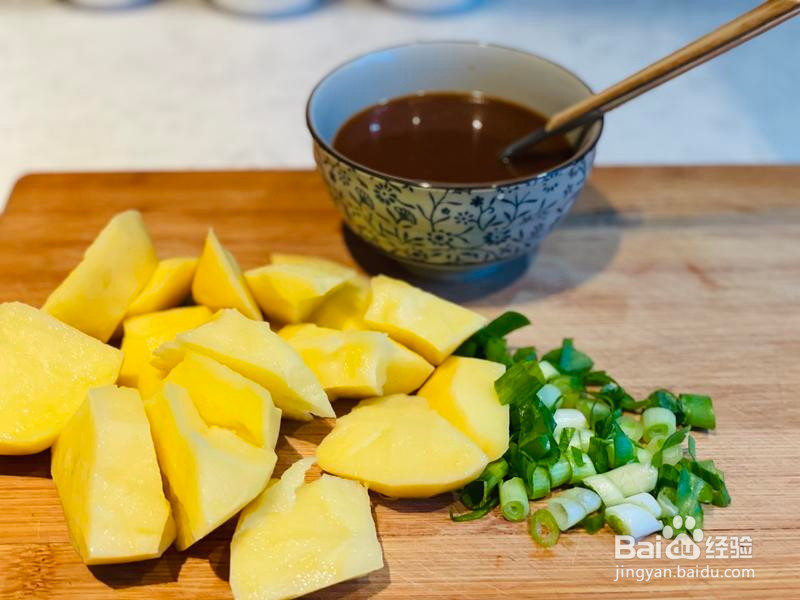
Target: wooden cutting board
(680,277)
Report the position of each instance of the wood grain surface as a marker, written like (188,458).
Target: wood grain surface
(680,277)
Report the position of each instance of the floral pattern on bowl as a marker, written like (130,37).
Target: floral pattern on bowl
(457,227)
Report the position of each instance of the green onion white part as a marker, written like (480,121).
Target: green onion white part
(514,499)
(616,485)
(630,519)
(668,508)
(647,502)
(658,422)
(548,370)
(631,426)
(572,506)
(549,395)
(580,470)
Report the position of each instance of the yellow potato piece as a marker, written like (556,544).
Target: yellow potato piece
(252,349)
(219,283)
(144,333)
(399,446)
(344,308)
(462,391)
(406,371)
(322,265)
(211,473)
(115,267)
(290,292)
(429,325)
(226,399)
(168,287)
(105,470)
(46,368)
(348,364)
(297,538)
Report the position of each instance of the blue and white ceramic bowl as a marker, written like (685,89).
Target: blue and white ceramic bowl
(442,229)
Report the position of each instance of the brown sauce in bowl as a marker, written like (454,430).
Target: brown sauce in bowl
(447,137)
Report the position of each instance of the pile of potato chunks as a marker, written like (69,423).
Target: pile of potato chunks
(163,440)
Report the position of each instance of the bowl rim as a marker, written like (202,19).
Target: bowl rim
(575,158)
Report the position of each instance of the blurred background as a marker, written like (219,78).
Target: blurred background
(180,84)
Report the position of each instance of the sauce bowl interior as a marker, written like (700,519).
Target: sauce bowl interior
(522,78)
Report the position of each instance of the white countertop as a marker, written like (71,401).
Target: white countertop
(179,85)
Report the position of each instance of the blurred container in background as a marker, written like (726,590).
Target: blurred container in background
(266,8)
(432,6)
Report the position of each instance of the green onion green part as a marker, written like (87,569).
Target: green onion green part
(544,528)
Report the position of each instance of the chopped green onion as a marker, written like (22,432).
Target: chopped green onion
(594,410)
(658,422)
(632,427)
(666,500)
(539,482)
(675,439)
(630,519)
(544,528)
(697,410)
(582,466)
(593,523)
(548,370)
(582,438)
(569,417)
(664,399)
(560,472)
(498,328)
(549,395)
(570,387)
(536,445)
(514,499)
(564,437)
(519,381)
(598,453)
(569,360)
(478,513)
(524,354)
(622,447)
(477,492)
(496,350)
(616,485)
(647,502)
(669,455)
(571,506)
(706,470)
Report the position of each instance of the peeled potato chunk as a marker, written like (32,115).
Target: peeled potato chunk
(291,287)
(219,283)
(168,286)
(252,349)
(399,446)
(226,399)
(298,537)
(344,308)
(321,265)
(349,364)
(105,469)
(429,325)
(144,333)
(462,391)
(46,368)
(115,267)
(211,473)
(406,371)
